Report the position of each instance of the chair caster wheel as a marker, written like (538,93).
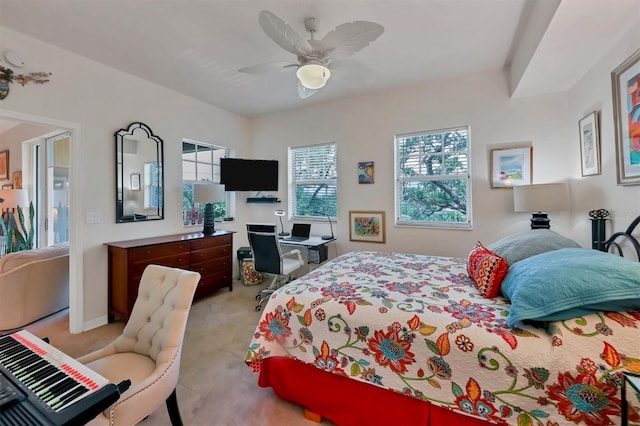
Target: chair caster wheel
(258,298)
(258,308)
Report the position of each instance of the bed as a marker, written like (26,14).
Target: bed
(400,339)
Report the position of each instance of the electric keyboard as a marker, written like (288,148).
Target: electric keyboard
(40,385)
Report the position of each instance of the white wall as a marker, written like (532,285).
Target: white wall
(102,100)
(364,130)
(593,93)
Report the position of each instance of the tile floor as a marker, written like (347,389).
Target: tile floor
(215,386)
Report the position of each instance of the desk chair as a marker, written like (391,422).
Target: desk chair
(148,350)
(268,257)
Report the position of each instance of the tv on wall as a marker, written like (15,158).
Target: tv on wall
(238,174)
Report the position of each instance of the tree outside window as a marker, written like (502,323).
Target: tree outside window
(433,180)
(313,180)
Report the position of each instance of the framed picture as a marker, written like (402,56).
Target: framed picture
(17,180)
(135,181)
(365,172)
(590,144)
(7,186)
(366,226)
(4,164)
(511,167)
(625,83)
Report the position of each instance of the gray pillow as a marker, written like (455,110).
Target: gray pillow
(529,243)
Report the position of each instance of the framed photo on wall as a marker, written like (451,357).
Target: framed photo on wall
(625,83)
(135,181)
(4,164)
(511,167)
(590,145)
(366,172)
(366,226)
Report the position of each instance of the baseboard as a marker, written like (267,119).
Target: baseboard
(95,323)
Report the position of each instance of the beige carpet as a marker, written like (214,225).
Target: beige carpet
(215,387)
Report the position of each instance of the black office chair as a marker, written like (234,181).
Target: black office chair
(268,258)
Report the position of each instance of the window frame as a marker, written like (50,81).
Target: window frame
(292,183)
(228,204)
(468,224)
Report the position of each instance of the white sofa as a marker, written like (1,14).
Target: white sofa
(33,285)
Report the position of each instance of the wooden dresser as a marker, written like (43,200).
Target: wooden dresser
(210,255)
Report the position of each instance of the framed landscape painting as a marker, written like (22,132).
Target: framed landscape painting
(511,167)
(625,83)
(366,226)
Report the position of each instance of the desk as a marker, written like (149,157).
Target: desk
(316,247)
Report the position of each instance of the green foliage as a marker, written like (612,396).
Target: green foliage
(17,238)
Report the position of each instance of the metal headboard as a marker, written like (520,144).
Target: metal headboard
(612,241)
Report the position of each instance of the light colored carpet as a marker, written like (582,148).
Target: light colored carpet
(215,386)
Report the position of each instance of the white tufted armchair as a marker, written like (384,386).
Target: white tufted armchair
(148,351)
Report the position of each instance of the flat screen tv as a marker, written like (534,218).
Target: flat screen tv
(238,174)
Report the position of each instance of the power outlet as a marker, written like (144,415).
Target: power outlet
(93,217)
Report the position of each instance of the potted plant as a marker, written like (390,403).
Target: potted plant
(17,238)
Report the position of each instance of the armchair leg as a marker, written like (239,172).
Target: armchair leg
(174,411)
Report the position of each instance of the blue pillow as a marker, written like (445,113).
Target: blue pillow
(570,282)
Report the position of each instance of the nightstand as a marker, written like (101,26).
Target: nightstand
(630,395)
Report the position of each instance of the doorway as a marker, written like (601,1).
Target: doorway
(76,290)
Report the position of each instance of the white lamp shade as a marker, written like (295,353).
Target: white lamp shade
(313,75)
(14,198)
(546,197)
(208,193)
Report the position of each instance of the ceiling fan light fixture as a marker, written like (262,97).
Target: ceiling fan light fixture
(313,75)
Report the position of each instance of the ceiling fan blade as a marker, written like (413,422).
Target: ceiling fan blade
(283,34)
(347,39)
(303,92)
(267,67)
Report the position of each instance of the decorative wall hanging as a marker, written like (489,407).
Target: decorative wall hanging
(4,164)
(511,167)
(590,144)
(366,226)
(17,180)
(8,76)
(625,82)
(365,172)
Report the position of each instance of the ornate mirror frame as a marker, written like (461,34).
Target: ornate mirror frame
(139,174)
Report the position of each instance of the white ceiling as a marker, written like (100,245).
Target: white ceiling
(196,47)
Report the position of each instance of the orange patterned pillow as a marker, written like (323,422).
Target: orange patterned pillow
(487,269)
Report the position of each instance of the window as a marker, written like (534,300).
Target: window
(433,180)
(313,181)
(200,162)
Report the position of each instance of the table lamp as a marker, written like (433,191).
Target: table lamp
(208,193)
(541,199)
(281,213)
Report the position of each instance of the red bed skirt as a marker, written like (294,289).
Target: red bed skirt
(349,402)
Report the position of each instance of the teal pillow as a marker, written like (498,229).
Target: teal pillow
(519,246)
(568,283)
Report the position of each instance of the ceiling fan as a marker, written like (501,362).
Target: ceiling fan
(315,58)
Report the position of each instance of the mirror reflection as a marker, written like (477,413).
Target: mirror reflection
(139,174)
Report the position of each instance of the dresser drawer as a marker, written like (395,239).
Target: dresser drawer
(207,242)
(211,253)
(162,250)
(212,266)
(176,261)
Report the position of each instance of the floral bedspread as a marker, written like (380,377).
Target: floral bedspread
(417,325)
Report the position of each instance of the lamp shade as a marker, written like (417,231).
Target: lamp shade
(546,197)
(313,75)
(208,193)
(13,198)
